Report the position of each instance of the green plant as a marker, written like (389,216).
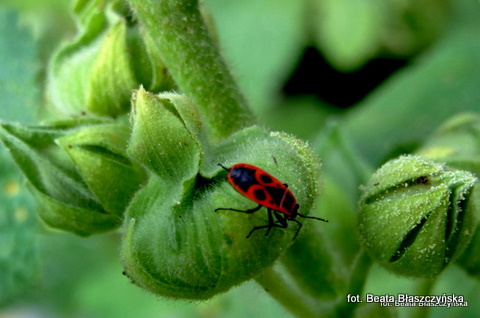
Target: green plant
(145,108)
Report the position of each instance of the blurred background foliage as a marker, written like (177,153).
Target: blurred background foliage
(363,81)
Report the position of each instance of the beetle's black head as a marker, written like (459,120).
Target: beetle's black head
(243,177)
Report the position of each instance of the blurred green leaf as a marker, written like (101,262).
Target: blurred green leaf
(48,21)
(18,97)
(18,250)
(348,31)
(18,94)
(412,104)
(262,41)
(302,116)
(67,163)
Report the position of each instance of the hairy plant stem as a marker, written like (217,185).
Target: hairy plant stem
(334,136)
(297,303)
(193,59)
(355,286)
(424,287)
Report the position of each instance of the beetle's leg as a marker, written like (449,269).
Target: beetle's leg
(299,227)
(271,223)
(242,211)
(282,223)
(269,226)
(281,219)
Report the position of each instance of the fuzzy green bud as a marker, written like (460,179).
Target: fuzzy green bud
(99,154)
(416,215)
(77,170)
(457,143)
(96,72)
(175,244)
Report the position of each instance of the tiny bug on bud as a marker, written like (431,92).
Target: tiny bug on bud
(264,189)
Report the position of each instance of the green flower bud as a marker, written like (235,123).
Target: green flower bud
(175,244)
(416,215)
(99,155)
(165,135)
(457,143)
(78,171)
(97,71)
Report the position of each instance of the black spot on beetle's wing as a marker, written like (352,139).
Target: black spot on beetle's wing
(260,194)
(266,178)
(277,194)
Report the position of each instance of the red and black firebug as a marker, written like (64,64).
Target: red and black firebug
(264,189)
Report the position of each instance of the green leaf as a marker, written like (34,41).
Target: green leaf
(417,100)
(79,193)
(99,154)
(347,31)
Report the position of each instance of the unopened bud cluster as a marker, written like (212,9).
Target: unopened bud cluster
(417,215)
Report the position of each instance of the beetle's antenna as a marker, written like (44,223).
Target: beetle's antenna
(311,217)
(223,167)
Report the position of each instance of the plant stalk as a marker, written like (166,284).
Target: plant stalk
(193,59)
(290,298)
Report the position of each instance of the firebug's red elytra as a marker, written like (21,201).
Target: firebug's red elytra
(264,189)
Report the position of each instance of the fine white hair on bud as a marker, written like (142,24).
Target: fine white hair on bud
(175,244)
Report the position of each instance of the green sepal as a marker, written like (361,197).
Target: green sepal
(99,155)
(90,15)
(457,143)
(147,60)
(70,67)
(46,167)
(416,215)
(111,77)
(165,136)
(96,72)
(62,186)
(73,218)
